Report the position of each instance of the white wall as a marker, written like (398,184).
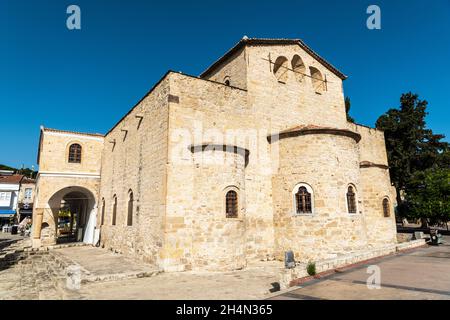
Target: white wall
(13,190)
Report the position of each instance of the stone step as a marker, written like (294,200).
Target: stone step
(118,276)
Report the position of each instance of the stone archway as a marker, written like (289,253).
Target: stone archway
(69,216)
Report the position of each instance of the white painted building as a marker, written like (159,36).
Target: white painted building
(9,194)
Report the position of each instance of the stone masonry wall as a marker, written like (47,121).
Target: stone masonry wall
(205,112)
(328,164)
(376,185)
(49,194)
(57,176)
(218,242)
(280,106)
(234,69)
(137,163)
(178,210)
(54,153)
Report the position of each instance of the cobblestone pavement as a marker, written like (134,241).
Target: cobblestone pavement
(27,275)
(421,274)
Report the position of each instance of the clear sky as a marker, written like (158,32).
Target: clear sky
(86,80)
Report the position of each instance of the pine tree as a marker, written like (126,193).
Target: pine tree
(411,146)
(347,110)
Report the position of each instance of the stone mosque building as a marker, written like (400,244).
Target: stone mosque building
(252,158)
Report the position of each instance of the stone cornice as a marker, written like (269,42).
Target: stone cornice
(221,147)
(368,164)
(308,130)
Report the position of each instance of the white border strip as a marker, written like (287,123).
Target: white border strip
(70,175)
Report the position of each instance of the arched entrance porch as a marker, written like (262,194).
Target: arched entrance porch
(73,216)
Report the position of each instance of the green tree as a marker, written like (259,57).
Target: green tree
(411,147)
(5,167)
(347,110)
(430,198)
(25,171)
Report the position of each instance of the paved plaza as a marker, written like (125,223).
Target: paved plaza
(422,273)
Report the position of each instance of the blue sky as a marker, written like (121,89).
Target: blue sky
(86,80)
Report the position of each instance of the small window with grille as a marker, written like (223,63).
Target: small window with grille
(351,200)
(231,203)
(386,208)
(303,202)
(75,153)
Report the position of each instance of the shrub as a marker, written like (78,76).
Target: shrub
(311,268)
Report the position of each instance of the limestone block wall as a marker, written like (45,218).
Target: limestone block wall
(178,219)
(234,70)
(372,144)
(328,164)
(207,112)
(218,242)
(57,176)
(134,160)
(54,152)
(49,193)
(376,186)
(272,100)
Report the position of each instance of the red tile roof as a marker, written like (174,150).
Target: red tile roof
(12,179)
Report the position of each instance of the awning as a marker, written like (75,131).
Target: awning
(7,213)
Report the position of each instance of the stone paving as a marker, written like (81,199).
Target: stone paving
(99,264)
(420,274)
(254,282)
(106,275)
(28,275)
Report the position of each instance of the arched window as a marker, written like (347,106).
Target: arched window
(317,79)
(386,208)
(303,199)
(103,211)
(114,212)
(280,69)
(130,209)
(351,200)
(75,153)
(298,67)
(226,80)
(231,204)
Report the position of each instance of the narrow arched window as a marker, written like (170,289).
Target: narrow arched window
(103,211)
(298,67)
(317,80)
(114,211)
(280,69)
(75,153)
(231,203)
(303,201)
(386,208)
(130,209)
(351,200)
